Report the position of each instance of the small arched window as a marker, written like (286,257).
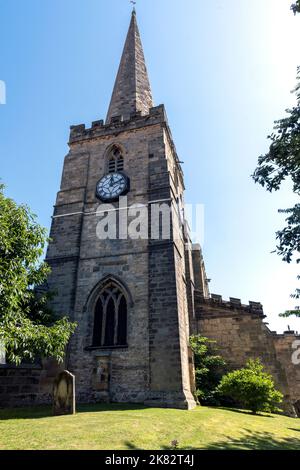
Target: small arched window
(115,160)
(110,317)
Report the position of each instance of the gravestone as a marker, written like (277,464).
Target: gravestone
(64,394)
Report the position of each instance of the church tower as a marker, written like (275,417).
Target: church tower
(131,295)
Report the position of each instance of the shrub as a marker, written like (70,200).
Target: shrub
(252,388)
(209,368)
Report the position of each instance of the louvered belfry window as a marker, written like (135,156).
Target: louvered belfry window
(115,160)
(110,318)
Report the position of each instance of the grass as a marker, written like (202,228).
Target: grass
(119,427)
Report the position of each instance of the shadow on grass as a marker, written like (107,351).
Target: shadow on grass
(256,441)
(131,446)
(25,413)
(46,411)
(245,412)
(110,407)
(250,441)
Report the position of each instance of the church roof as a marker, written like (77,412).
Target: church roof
(132,91)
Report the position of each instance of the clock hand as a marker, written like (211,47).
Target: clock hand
(116,187)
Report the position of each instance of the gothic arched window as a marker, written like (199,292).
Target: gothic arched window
(110,317)
(115,160)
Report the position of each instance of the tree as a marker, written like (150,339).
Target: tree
(28,328)
(209,367)
(251,388)
(295,7)
(281,162)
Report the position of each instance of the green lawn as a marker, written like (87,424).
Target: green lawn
(135,427)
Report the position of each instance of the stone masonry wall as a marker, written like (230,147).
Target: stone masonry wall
(27,384)
(241,335)
(155,365)
(168,312)
(183,270)
(125,260)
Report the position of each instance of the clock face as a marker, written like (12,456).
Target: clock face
(111,186)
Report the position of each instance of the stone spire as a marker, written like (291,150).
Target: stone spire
(132,91)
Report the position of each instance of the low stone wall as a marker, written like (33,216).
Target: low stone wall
(27,384)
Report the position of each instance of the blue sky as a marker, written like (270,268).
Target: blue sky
(224,69)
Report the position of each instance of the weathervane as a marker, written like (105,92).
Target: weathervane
(133,3)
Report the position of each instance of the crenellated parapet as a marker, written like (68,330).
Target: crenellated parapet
(79,133)
(215,304)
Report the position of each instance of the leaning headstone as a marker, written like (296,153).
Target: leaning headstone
(64,394)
